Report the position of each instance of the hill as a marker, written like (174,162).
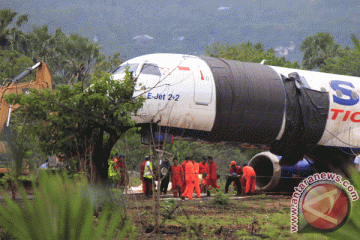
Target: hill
(140,27)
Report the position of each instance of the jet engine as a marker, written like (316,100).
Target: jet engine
(271,177)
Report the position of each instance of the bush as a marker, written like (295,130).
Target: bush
(220,199)
(62,209)
(169,205)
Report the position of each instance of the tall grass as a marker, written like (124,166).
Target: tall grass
(62,209)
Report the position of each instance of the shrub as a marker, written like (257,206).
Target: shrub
(61,209)
(169,205)
(220,199)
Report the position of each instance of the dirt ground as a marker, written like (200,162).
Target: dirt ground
(249,217)
(240,218)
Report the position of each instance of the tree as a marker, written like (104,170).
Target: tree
(81,123)
(8,36)
(71,58)
(12,63)
(356,43)
(75,58)
(317,49)
(248,52)
(346,64)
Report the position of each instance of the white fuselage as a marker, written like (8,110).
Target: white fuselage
(342,127)
(180,91)
(181,95)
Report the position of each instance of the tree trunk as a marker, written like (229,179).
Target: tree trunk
(101,155)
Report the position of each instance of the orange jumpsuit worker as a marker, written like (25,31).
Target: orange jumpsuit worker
(238,171)
(203,168)
(196,178)
(184,181)
(142,168)
(177,174)
(189,172)
(233,177)
(212,174)
(248,180)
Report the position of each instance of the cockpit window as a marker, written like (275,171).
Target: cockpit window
(132,68)
(151,69)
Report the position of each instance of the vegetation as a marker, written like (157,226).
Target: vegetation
(87,118)
(85,124)
(348,63)
(220,199)
(168,209)
(77,62)
(317,49)
(63,209)
(248,52)
(9,35)
(12,63)
(72,58)
(201,219)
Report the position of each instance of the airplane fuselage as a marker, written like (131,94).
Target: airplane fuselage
(289,110)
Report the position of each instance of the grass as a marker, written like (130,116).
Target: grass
(240,219)
(255,217)
(134,181)
(65,209)
(243,205)
(262,196)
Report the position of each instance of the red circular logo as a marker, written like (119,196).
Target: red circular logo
(325,206)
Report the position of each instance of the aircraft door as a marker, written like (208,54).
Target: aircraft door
(203,87)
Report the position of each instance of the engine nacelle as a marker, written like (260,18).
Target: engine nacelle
(271,177)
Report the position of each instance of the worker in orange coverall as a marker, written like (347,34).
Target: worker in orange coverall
(248,180)
(177,174)
(234,176)
(142,168)
(196,178)
(203,168)
(189,172)
(212,178)
(184,181)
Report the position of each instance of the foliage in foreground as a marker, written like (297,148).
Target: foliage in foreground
(62,209)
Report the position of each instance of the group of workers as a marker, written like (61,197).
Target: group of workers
(191,175)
